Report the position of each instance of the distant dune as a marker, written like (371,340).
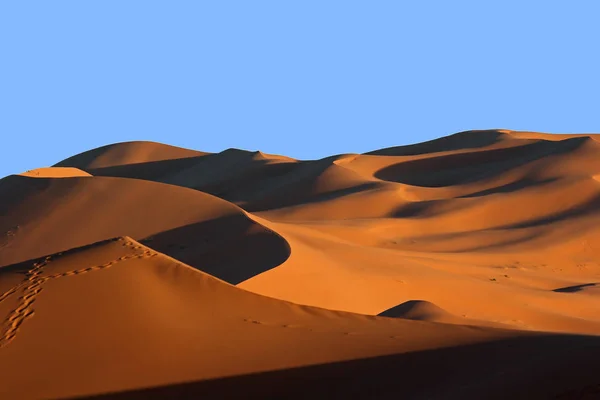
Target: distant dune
(55,172)
(467,267)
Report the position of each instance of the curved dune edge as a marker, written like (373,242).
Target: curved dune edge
(548,136)
(422,310)
(124,153)
(478,236)
(335,272)
(117,289)
(289,188)
(470,215)
(478,239)
(490,228)
(55,172)
(195,227)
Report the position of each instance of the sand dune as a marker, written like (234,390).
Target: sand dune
(127,153)
(55,172)
(44,216)
(434,270)
(420,310)
(138,319)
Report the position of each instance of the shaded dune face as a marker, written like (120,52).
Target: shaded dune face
(232,247)
(472,192)
(50,215)
(417,310)
(465,267)
(422,310)
(125,311)
(467,164)
(469,167)
(459,141)
(127,153)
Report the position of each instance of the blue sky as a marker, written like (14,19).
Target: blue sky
(302,78)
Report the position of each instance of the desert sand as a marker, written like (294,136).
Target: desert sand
(467,267)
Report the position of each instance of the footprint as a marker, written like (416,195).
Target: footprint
(32,287)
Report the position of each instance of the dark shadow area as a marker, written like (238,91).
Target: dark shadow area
(422,209)
(289,201)
(458,141)
(574,289)
(232,248)
(240,177)
(152,170)
(122,153)
(17,195)
(266,186)
(433,241)
(501,244)
(587,208)
(529,367)
(417,310)
(232,175)
(246,183)
(426,209)
(411,210)
(22,267)
(511,187)
(16,189)
(463,168)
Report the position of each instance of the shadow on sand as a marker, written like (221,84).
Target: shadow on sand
(463,168)
(232,248)
(458,141)
(574,289)
(529,367)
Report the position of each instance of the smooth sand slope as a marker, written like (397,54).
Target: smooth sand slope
(494,229)
(44,216)
(55,172)
(116,317)
(467,214)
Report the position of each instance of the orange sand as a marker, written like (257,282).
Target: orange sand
(55,172)
(480,251)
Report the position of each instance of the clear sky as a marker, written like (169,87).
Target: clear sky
(302,78)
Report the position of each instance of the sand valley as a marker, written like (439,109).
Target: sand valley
(467,267)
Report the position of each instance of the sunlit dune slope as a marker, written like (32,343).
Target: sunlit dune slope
(55,172)
(43,216)
(127,153)
(422,271)
(120,319)
(457,221)
(414,178)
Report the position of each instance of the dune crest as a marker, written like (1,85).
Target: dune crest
(44,216)
(55,172)
(464,267)
(116,283)
(127,153)
(418,310)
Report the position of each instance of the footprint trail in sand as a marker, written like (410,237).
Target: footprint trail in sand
(32,286)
